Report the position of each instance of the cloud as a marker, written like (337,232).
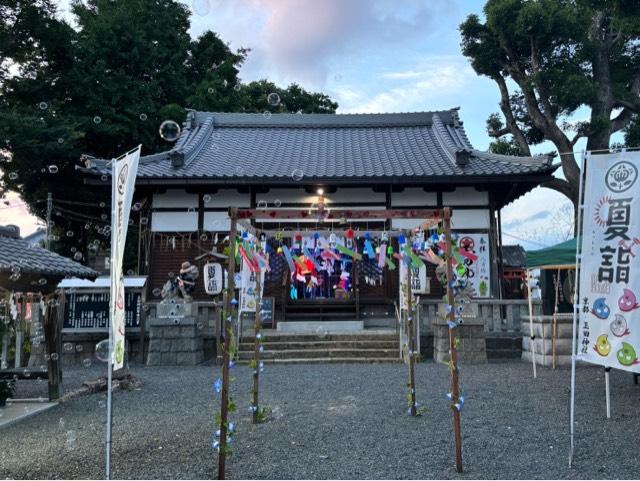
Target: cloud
(306,40)
(435,84)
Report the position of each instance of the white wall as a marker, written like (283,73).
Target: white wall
(175,198)
(174,221)
(465,196)
(414,196)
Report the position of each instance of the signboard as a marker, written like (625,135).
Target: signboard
(419,281)
(609,291)
(213,278)
(89,311)
(478,271)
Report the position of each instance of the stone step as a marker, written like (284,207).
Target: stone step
(277,337)
(293,345)
(332,360)
(322,353)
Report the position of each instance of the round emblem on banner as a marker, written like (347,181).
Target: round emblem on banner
(621,176)
(122,178)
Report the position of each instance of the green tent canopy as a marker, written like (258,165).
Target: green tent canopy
(559,255)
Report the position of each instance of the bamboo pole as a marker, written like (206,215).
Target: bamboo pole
(224,402)
(455,389)
(412,346)
(256,351)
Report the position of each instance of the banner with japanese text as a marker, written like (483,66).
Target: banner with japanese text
(609,315)
(478,271)
(123,180)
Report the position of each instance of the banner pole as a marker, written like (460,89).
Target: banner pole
(607,370)
(579,213)
(112,299)
(532,337)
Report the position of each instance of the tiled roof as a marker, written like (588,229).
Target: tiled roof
(228,146)
(514,256)
(18,254)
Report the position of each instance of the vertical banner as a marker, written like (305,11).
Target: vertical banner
(248,288)
(123,181)
(478,271)
(609,314)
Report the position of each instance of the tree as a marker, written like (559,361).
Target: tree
(102,87)
(561,55)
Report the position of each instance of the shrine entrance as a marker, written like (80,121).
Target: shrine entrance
(339,268)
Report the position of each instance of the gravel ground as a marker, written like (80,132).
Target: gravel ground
(335,421)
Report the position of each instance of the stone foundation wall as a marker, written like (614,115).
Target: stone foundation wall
(543,345)
(472,348)
(175,342)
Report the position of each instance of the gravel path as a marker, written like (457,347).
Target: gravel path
(336,421)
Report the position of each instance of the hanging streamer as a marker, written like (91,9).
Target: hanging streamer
(349,252)
(287,256)
(308,255)
(382,256)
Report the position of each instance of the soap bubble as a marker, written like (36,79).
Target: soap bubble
(42,281)
(104,216)
(53,169)
(103,177)
(169,130)
(102,204)
(171,275)
(54,356)
(136,207)
(237,87)
(297,175)
(203,237)
(26,372)
(321,332)
(143,117)
(210,90)
(262,204)
(69,233)
(13,175)
(68,347)
(86,362)
(273,99)
(77,256)
(266,114)
(102,350)
(60,140)
(79,348)
(43,105)
(143,221)
(73,249)
(97,119)
(157,292)
(206,198)
(277,203)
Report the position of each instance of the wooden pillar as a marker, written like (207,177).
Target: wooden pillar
(455,389)
(228,332)
(256,349)
(53,342)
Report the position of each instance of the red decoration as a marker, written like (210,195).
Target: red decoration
(350,233)
(298,237)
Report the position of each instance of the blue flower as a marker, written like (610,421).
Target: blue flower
(261,365)
(258,336)
(448,396)
(261,348)
(231,363)
(217,385)
(216,445)
(451,324)
(234,302)
(231,427)
(448,308)
(218,433)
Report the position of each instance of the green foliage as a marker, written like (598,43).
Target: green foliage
(262,413)
(104,86)
(561,55)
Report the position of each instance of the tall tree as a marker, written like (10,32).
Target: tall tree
(560,55)
(104,86)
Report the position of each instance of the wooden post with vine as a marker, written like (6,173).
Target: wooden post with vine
(256,350)
(455,388)
(228,334)
(412,346)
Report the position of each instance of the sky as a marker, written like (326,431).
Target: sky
(370,56)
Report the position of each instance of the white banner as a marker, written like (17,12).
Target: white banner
(478,271)
(248,288)
(123,180)
(609,319)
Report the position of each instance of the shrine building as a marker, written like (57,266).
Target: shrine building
(312,162)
